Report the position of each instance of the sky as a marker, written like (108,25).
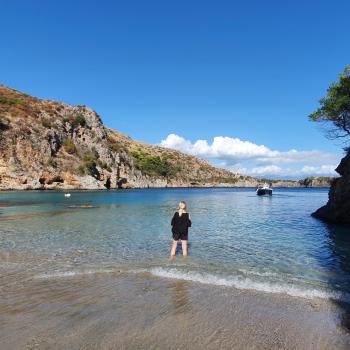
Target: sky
(232,82)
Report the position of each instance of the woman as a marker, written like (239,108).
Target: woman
(180,223)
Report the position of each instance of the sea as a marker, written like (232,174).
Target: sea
(269,244)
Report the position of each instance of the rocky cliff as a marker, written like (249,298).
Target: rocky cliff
(46,144)
(337,209)
(50,145)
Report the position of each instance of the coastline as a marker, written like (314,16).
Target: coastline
(138,311)
(61,188)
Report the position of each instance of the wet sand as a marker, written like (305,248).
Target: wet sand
(138,311)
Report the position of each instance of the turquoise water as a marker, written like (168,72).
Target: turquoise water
(240,240)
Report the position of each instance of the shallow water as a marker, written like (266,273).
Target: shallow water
(268,244)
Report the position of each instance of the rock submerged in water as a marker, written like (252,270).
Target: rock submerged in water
(337,209)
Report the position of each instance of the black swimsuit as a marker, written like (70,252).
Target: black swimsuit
(180,226)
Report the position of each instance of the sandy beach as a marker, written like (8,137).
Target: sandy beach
(138,311)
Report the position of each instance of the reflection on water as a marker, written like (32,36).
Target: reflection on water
(339,245)
(180,296)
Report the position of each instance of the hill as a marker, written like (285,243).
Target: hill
(51,145)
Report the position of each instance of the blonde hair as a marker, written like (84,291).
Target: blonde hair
(182,207)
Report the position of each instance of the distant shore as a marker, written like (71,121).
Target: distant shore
(69,188)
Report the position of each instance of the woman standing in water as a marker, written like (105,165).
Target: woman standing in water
(180,223)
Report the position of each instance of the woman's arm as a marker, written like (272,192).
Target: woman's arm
(173,220)
(189,224)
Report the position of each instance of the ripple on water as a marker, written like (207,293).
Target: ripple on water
(237,238)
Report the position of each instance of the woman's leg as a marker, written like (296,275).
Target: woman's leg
(184,248)
(173,248)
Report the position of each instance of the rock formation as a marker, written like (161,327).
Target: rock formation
(50,145)
(337,209)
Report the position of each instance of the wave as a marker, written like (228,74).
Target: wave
(239,282)
(258,273)
(249,284)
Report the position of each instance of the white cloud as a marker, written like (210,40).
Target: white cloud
(262,170)
(221,147)
(263,161)
(276,171)
(321,170)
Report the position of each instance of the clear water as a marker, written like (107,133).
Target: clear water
(238,239)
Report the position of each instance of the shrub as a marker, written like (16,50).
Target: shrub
(116,147)
(52,162)
(154,165)
(90,160)
(267,180)
(78,120)
(222,179)
(46,123)
(95,153)
(9,101)
(81,170)
(103,165)
(69,146)
(75,120)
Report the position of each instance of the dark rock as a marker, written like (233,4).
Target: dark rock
(337,209)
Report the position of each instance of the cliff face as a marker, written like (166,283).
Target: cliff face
(43,143)
(47,145)
(337,209)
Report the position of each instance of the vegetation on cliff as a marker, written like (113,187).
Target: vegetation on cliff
(154,165)
(335,113)
(335,107)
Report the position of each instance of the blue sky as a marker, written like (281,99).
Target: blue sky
(238,74)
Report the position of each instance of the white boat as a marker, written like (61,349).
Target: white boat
(67,194)
(264,189)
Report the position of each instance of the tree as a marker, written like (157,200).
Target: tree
(335,107)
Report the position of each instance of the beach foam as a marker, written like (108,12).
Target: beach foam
(235,281)
(249,284)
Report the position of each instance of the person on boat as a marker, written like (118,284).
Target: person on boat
(180,223)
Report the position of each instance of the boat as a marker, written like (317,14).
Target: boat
(67,195)
(264,189)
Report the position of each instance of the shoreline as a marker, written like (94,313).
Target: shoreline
(121,310)
(149,188)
